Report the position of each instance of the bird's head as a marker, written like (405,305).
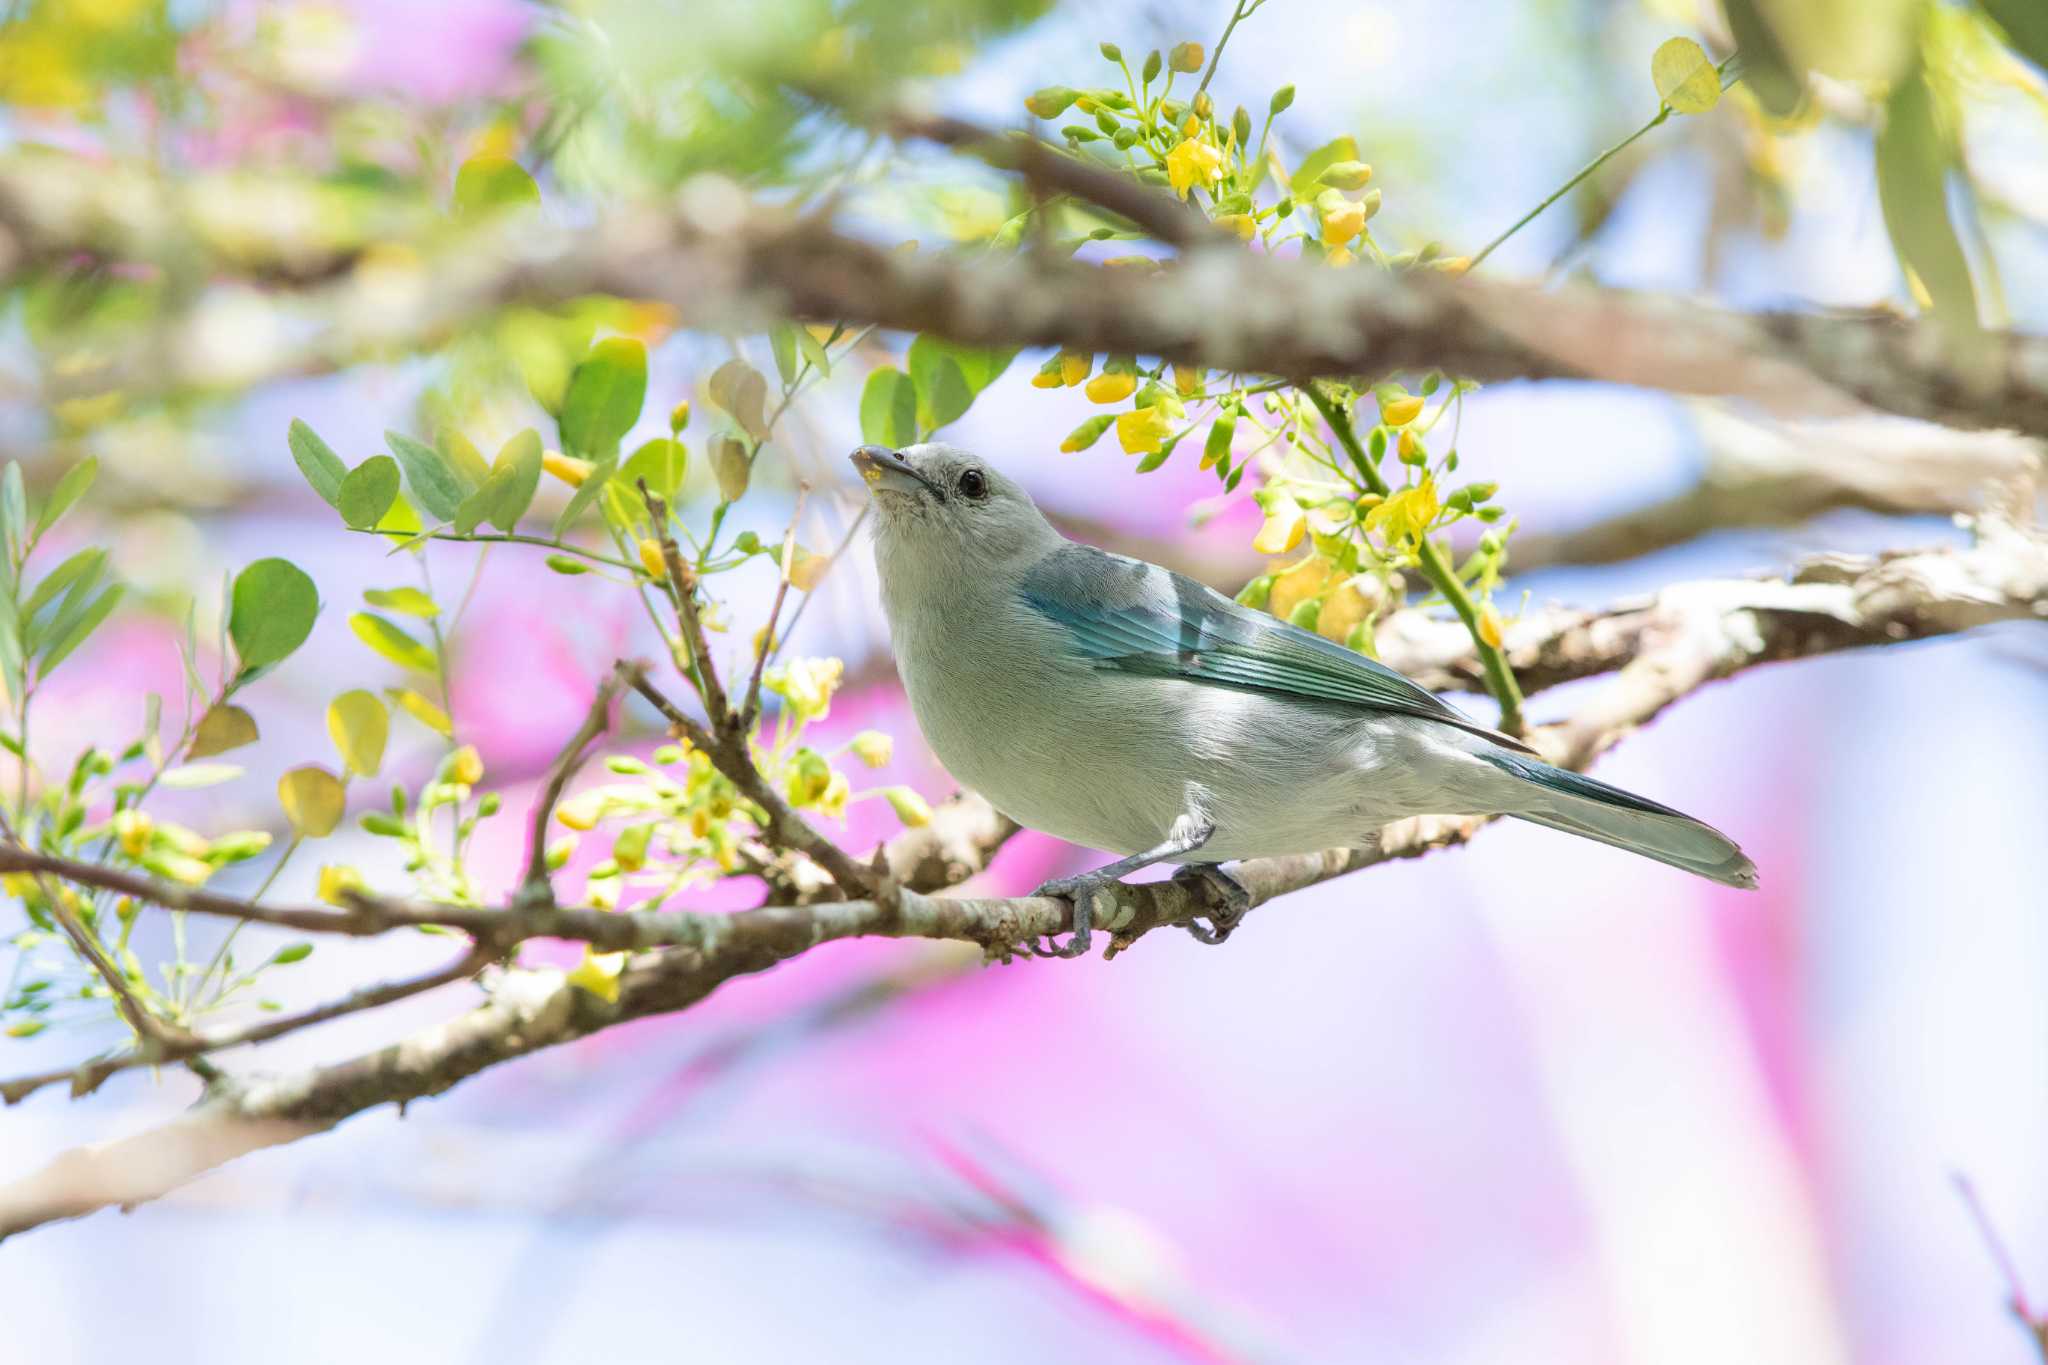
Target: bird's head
(939,502)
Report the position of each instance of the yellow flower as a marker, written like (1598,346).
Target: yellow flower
(1283,529)
(1490,625)
(1452,265)
(1074,367)
(1197,161)
(1342,223)
(1243,224)
(872,747)
(338,882)
(466,766)
(1409,447)
(567,468)
(1399,412)
(1142,431)
(806,568)
(910,808)
(1296,585)
(1341,256)
(133,828)
(599,974)
(1407,513)
(1046,379)
(652,561)
(1111,388)
(833,802)
(580,814)
(1188,380)
(1348,605)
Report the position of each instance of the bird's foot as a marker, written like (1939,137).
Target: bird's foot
(1080,892)
(1199,878)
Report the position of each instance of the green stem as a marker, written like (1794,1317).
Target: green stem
(1663,112)
(1728,72)
(1500,679)
(514,538)
(1238,14)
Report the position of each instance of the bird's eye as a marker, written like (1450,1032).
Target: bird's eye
(973,485)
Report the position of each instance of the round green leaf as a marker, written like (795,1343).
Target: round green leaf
(487,183)
(888,409)
(271,612)
(368,492)
(662,462)
(313,800)
(222,728)
(393,643)
(359,725)
(739,388)
(1685,76)
(604,397)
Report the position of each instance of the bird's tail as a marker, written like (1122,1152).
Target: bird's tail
(1578,804)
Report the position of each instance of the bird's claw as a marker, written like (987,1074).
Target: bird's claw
(1080,893)
(1210,877)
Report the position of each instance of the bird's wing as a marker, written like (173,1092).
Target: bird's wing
(1136,617)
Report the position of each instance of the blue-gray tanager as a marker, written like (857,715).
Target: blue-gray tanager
(1121,706)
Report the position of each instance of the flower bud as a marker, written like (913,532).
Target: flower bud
(652,561)
(1186,58)
(1401,410)
(910,808)
(1346,175)
(872,747)
(567,468)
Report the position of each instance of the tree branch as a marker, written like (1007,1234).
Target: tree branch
(724,263)
(566,763)
(1672,645)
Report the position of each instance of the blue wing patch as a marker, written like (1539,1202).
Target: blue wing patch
(1139,618)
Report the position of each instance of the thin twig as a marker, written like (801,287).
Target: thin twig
(750,709)
(730,752)
(89,1076)
(2033,1319)
(682,583)
(536,885)
(796,617)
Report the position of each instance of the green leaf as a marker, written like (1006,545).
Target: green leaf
(70,635)
(567,565)
(814,351)
(782,342)
(290,953)
(1766,70)
(1302,185)
(69,489)
(604,398)
(1685,77)
(359,725)
(888,409)
(192,776)
(1913,164)
(949,377)
(14,511)
(731,466)
(434,480)
(368,492)
(463,457)
(739,388)
(486,184)
(222,728)
(515,478)
(586,492)
(81,566)
(411,601)
(314,800)
(2026,25)
(423,711)
(662,462)
(317,461)
(271,612)
(391,642)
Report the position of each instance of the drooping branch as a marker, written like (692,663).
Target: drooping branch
(1665,647)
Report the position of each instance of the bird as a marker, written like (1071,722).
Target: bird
(1121,706)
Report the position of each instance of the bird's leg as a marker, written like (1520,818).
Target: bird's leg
(1189,833)
(1236,900)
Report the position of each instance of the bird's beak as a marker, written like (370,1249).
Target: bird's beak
(885,470)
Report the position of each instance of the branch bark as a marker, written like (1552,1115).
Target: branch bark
(1667,647)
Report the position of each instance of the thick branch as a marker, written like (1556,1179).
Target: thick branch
(723,262)
(1681,640)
